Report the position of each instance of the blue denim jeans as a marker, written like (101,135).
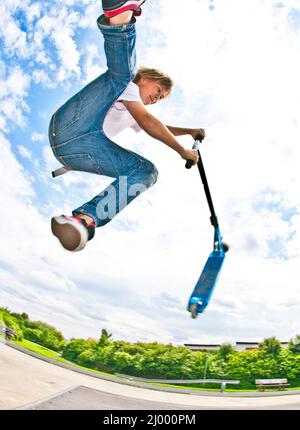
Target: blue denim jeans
(76,131)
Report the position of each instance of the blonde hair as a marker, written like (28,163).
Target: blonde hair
(154,75)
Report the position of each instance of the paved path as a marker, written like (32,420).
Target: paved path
(25,379)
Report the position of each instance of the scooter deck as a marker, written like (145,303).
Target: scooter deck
(203,290)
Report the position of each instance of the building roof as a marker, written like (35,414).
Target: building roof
(202,344)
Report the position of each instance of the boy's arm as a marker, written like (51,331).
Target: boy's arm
(156,129)
(181,131)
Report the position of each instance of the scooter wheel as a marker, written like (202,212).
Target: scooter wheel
(225,247)
(193,310)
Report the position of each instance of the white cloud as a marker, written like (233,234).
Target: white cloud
(48,42)
(60,30)
(41,77)
(24,152)
(13,90)
(38,137)
(91,67)
(14,185)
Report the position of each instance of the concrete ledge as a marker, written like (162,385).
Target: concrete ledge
(221,382)
(34,405)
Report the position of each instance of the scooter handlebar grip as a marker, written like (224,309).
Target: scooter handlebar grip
(198,139)
(189,164)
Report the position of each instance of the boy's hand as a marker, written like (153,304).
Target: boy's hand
(190,154)
(198,132)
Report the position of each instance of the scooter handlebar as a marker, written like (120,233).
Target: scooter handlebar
(198,139)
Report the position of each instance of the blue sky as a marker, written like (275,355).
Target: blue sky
(236,69)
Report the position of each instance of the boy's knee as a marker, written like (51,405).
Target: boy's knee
(154,175)
(121,81)
(150,174)
(125,78)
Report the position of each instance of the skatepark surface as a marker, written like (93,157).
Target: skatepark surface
(30,383)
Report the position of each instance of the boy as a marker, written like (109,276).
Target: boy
(81,131)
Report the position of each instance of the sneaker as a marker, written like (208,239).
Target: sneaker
(72,232)
(114,7)
(137,12)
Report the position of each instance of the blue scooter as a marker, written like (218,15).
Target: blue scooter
(204,288)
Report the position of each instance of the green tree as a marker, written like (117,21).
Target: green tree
(44,334)
(88,358)
(271,346)
(51,339)
(200,364)
(238,367)
(106,359)
(32,334)
(225,350)
(105,337)
(294,344)
(74,348)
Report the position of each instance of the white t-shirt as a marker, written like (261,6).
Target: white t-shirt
(118,117)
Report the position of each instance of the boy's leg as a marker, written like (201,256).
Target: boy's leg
(121,19)
(134,175)
(119,45)
(96,153)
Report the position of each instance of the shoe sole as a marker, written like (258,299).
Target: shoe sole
(130,5)
(71,238)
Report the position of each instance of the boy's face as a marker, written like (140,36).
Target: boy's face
(151,91)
